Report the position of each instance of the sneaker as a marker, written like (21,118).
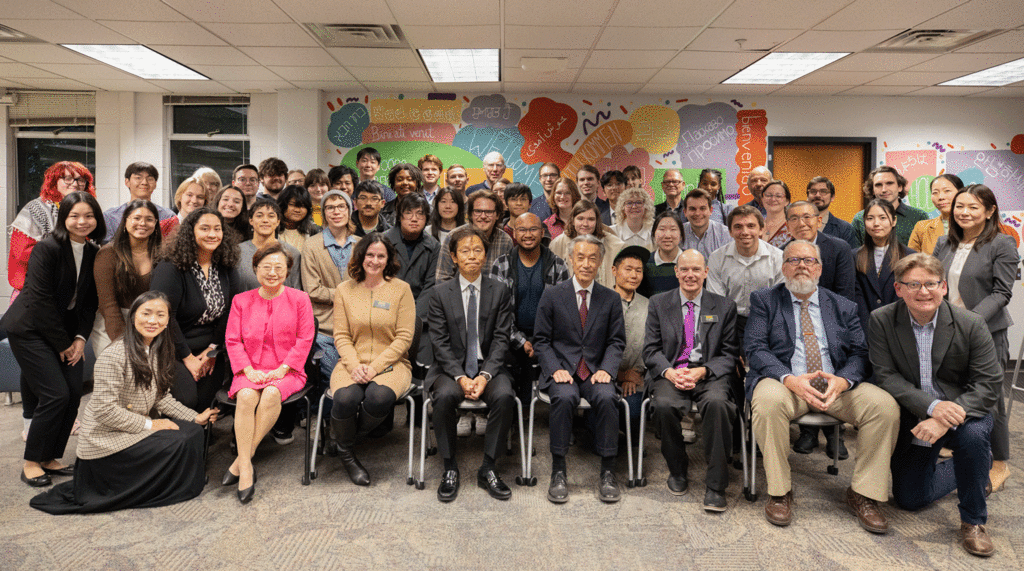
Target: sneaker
(687,425)
(465,426)
(281,437)
(481,424)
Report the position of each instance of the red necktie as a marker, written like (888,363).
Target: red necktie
(582,371)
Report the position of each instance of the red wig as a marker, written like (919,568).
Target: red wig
(56,171)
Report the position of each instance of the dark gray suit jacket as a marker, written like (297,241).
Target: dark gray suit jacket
(716,330)
(837,269)
(560,341)
(964,362)
(986,282)
(446,319)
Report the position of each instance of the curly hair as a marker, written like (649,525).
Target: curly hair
(355,265)
(182,251)
(49,191)
(635,193)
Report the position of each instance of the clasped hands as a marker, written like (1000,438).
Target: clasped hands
(800,385)
(259,377)
(73,354)
(685,378)
(563,376)
(200,366)
(945,415)
(473,388)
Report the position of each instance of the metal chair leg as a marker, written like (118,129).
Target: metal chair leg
(521,480)
(630,482)
(316,437)
(421,484)
(306,476)
(640,480)
(530,479)
(1013,380)
(412,435)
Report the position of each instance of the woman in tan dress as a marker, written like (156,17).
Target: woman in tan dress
(374,319)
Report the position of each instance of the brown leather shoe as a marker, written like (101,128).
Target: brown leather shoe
(778,510)
(976,540)
(867,512)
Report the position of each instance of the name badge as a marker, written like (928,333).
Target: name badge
(709,318)
(382,305)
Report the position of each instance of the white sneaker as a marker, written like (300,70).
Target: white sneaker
(481,424)
(465,426)
(689,434)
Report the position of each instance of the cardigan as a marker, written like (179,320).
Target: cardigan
(320,276)
(109,306)
(374,327)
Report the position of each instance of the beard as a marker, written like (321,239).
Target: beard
(800,286)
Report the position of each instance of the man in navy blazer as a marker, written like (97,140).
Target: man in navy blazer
(476,372)
(821,191)
(579,336)
(806,353)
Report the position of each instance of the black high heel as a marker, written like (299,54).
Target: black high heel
(229,478)
(245,496)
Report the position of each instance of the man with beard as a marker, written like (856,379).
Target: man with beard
(549,173)
(806,352)
(483,210)
(273,173)
(821,192)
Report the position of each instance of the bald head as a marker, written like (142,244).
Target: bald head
(494,166)
(529,231)
(757,180)
(691,270)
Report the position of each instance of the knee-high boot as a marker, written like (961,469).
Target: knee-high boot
(345,436)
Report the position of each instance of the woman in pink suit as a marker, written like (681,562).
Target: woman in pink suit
(269,333)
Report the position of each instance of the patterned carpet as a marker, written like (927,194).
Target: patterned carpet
(333,524)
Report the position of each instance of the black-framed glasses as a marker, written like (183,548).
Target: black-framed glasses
(810,262)
(916,286)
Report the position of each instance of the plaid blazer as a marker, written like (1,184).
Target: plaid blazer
(115,417)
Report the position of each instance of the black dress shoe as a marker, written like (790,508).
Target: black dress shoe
(449,488)
(678,484)
(229,478)
(558,491)
(830,444)
(490,481)
(245,496)
(806,442)
(608,489)
(714,501)
(65,471)
(38,481)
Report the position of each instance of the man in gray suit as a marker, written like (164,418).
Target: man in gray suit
(691,353)
(939,362)
(470,320)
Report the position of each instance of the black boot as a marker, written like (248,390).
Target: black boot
(372,425)
(345,436)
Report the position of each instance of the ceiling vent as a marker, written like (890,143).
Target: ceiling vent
(932,41)
(12,36)
(358,35)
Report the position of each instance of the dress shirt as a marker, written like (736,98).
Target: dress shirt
(577,288)
(715,236)
(658,261)
(736,277)
(340,253)
(798,364)
(923,336)
(879,253)
(464,285)
(430,196)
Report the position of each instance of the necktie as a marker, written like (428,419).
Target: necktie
(472,367)
(812,353)
(687,346)
(582,371)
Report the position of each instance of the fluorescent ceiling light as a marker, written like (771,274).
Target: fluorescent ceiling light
(136,60)
(783,67)
(998,76)
(462,65)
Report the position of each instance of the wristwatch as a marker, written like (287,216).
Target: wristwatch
(486,376)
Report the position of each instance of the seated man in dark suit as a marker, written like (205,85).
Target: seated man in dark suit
(691,353)
(940,364)
(470,333)
(579,337)
(806,353)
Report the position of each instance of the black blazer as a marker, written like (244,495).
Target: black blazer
(875,289)
(446,320)
(560,341)
(964,361)
(50,283)
(716,328)
(837,269)
(986,282)
(188,305)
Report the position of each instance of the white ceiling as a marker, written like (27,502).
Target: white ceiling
(612,46)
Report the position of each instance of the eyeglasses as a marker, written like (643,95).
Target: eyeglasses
(634,204)
(549,175)
(809,262)
(806,219)
(71,180)
(916,286)
(267,268)
(773,197)
(671,182)
(486,213)
(368,198)
(336,208)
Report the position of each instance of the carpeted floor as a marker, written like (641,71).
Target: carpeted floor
(390,525)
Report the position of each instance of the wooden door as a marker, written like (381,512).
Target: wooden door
(843,163)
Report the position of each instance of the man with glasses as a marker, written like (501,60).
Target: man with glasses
(494,169)
(247,179)
(549,173)
(369,201)
(483,209)
(821,192)
(417,252)
(806,353)
(140,180)
(939,362)
(672,185)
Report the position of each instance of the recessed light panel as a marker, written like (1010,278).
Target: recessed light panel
(783,67)
(446,66)
(998,76)
(136,60)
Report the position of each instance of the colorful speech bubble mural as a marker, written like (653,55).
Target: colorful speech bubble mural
(545,126)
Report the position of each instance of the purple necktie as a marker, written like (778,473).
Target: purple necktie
(687,346)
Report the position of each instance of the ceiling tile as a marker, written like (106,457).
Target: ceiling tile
(310,57)
(550,37)
(732,61)
(16,70)
(137,85)
(9,83)
(326,85)
(602,88)
(69,31)
(618,59)
(670,13)
(249,86)
(141,10)
(612,76)
(205,55)
(236,72)
(753,14)
(835,41)
(683,76)
(880,90)
(283,35)
(412,86)
(724,39)
(36,9)
(187,33)
(841,78)
(535,88)
(402,74)
(674,89)
(742,89)
(321,11)
(879,62)
(433,13)
(86,72)
(382,57)
(71,85)
(629,38)
(949,91)
(977,15)
(916,78)
(453,37)
(518,74)
(1008,91)
(301,73)
(808,90)
(965,62)
(230,11)
(42,53)
(865,14)
(192,87)
(1007,42)
(569,13)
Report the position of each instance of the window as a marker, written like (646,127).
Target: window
(40,147)
(215,136)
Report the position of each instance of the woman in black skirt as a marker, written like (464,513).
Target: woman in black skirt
(125,459)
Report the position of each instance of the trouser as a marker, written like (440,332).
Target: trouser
(328,360)
(52,390)
(603,399)
(446,395)
(718,412)
(197,395)
(1001,426)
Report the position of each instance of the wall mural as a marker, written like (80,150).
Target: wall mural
(610,134)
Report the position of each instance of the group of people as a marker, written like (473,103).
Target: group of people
(896,324)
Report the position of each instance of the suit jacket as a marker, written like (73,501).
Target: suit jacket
(716,330)
(559,341)
(837,269)
(418,269)
(839,228)
(770,337)
(875,289)
(986,282)
(50,285)
(446,320)
(319,279)
(965,366)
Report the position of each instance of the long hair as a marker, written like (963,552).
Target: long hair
(60,230)
(581,206)
(435,216)
(49,191)
(126,275)
(634,193)
(182,251)
(355,265)
(895,249)
(574,192)
(158,363)
(299,195)
(992,227)
(241,222)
